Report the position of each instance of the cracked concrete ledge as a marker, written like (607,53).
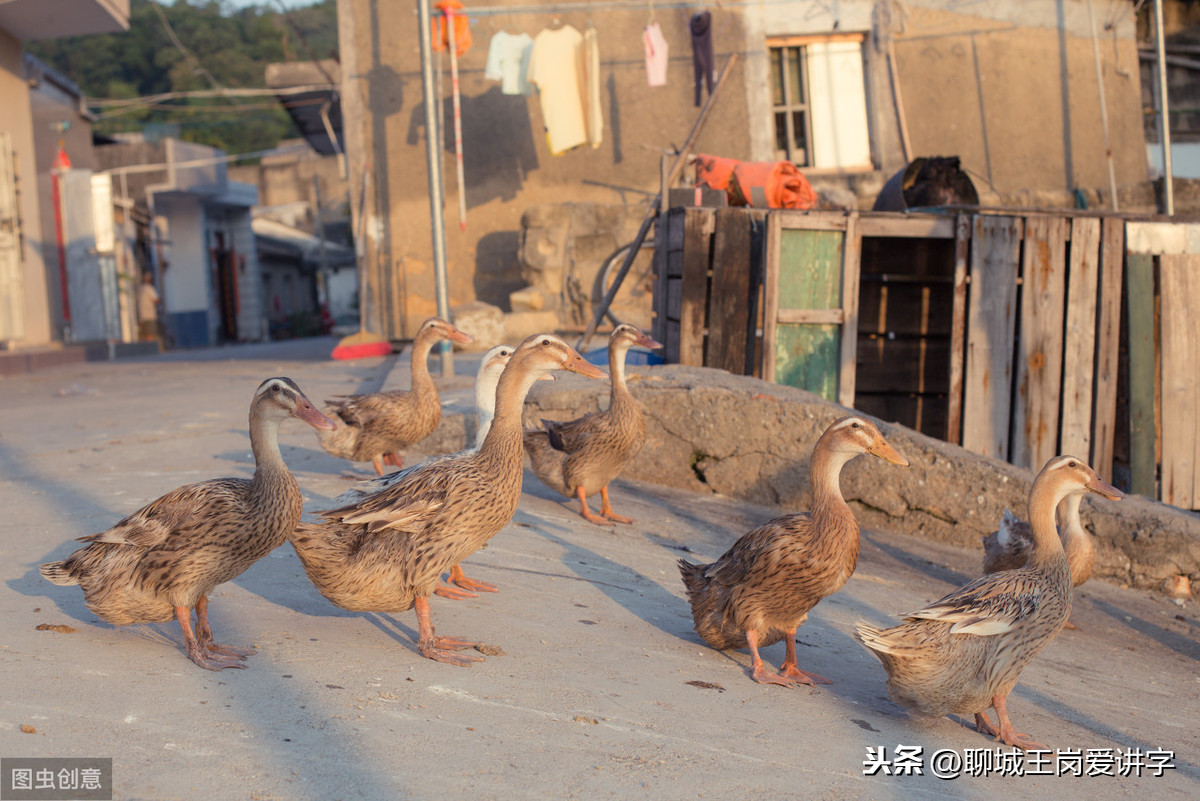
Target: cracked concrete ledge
(710,431)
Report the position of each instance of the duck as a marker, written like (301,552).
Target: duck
(486,379)
(581,457)
(373,428)
(165,559)
(387,552)
(761,590)
(1007,548)
(964,652)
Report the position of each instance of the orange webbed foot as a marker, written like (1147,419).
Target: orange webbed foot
(764,676)
(799,676)
(442,649)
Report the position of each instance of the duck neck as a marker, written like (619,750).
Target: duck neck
(503,440)
(616,369)
(485,406)
(422,381)
(824,474)
(264,442)
(1047,546)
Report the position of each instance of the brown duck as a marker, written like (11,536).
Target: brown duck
(386,553)
(581,457)
(167,557)
(372,427)
(965,652)
(762,589)
(488,376)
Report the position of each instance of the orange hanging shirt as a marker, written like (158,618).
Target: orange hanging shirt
(462,29)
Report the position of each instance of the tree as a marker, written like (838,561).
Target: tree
(225,47)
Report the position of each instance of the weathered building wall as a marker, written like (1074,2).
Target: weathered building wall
(17,121)
(1011,88)
(507,163)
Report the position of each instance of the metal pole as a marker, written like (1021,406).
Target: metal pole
(433,140)
(1164,119)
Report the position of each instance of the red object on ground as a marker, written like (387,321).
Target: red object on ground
(762,184)
(362,350)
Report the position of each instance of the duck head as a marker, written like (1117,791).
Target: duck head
(852,435)
(280,398)
(436,328)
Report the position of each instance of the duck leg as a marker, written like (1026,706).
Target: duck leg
(760,673)
(439,649)
(586,512)
(197,652)
(606,508)
(1007,734)
(789,669)
(377,463)
(394,459)
(460,578)
(205,638)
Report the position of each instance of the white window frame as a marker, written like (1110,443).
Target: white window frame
(832,101)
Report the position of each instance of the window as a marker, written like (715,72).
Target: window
(818,101)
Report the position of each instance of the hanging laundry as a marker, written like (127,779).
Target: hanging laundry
(702,51)
(591,70)
(656,54)
(462,27)
(508,62)
(554,67)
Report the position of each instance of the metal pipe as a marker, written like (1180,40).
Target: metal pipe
(458,140)
(1164,117)
(433,139)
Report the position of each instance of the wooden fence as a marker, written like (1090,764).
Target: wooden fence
(998,332)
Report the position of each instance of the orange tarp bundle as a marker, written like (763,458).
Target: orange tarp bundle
(763,184)
(462,29)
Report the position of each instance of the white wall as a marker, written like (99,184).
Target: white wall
(187,285)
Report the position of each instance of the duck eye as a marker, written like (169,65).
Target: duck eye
(545,342)
(1072,464)
(855,425)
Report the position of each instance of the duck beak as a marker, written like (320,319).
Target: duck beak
(577,364)
(454,335)
(647,341)
(883,450)
(308,413)
(1100,487)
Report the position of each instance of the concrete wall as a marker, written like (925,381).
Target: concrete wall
(17,120)
(1009,87)
(186,282)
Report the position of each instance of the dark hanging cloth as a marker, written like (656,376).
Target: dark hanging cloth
(702,51)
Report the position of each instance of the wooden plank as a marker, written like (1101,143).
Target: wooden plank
(697,241)
(1179,278)
(987,406)
(1079,341)
(729,297)
(1108,342)
(812,316)
(851,258)
(1162,238)
(907,365)
(923,226)
(1143,462)
(958,329)
(1039,346)
(812,220)
(770,295)
(810,277)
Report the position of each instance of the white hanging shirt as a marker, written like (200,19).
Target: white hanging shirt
(554,67)
(508,62)
(656,54)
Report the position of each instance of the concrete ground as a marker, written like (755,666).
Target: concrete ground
(600,690)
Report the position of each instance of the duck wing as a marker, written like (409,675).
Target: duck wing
(573,435)
(757,553)
(362,410)
(988,606)
(408,504)
(178,514)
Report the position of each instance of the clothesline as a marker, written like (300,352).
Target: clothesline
(609,5)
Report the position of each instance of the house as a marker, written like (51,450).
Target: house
(1029,95)
(307,282)
(207,269)
(31,287)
